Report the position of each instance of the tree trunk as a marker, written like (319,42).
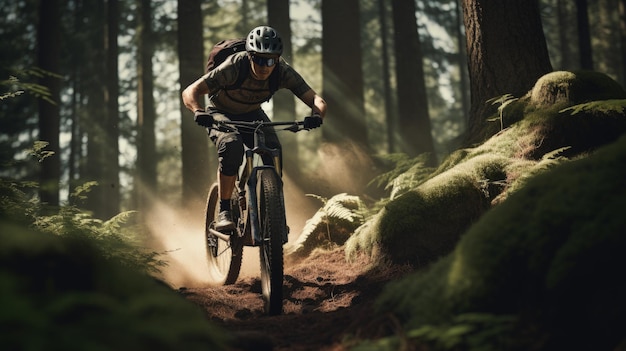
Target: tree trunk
(94,78)
(584,36)
(564,43)
(390,117)
(507,53)
(462,62)
(196,163)
(414,126)
(622,25)
(146,184)
(606,30)
(342,73)
(49,41)
(283,101)
(111,169)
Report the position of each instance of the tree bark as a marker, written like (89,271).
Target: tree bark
(584,36)
(94,78)
(390,117)
(284,104)
(49,41)
(196,165)
(414,126)
(622,22)
(507,53)
(342,73)
(146,184)
(111,170)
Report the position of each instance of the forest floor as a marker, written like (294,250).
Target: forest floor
(328,303)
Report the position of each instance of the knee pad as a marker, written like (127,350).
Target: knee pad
(230,153)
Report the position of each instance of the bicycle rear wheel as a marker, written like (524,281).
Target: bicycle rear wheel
(223,257)
(273,226)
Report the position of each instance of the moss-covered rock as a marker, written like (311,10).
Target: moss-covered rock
(538,134)
(422,225)
(59,293)
(552,255)
(564,88)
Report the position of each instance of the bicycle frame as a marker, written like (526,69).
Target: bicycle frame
(249,222)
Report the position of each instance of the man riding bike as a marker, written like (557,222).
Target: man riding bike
(243,103)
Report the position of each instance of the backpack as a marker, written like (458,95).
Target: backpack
(227,47)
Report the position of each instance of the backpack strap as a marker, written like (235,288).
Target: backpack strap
(244,71)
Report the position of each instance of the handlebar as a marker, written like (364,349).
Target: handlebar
(294,126)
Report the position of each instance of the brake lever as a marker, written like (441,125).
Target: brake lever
(293,128)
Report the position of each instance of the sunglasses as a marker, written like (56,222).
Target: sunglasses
(264,61)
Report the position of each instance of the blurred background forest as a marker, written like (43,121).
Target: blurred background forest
(99,82)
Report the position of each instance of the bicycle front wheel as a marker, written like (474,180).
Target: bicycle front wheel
(223,257)
(273,227)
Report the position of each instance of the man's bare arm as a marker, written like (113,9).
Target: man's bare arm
(192,95)
(315,102)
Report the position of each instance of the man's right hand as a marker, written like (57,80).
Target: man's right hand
(203,118)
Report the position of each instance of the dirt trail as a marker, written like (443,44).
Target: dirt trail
(327,301)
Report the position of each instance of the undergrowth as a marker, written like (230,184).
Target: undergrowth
(118,238)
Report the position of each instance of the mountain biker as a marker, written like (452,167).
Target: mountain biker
(263,54)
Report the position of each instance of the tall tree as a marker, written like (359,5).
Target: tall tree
(146,114)
(389,115)
(48,40)
(342,73)
(284,104)
(94,74)
(622,24)
(111,170)
(414,127)
(462,58)
(584,35)
(563,28)
(195,156)
(606,33)
(507,53)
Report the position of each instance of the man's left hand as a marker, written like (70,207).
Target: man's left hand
(313,121)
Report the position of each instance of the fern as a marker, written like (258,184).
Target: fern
(504,101)
(35,89)
(407,174)
(117,238)
(38,150)
(337,219)
(471,331)
(400,164)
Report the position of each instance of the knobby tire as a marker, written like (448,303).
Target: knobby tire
(224,259)
(273,226)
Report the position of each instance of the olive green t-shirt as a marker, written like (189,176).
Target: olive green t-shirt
(252,93)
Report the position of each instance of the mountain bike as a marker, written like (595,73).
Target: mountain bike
(258,211)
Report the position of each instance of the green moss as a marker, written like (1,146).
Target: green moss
(572,88)
(551,254)
(422,225)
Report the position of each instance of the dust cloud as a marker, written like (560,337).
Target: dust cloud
(344,168)
(179,236)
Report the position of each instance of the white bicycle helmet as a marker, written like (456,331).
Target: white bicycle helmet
(264,40)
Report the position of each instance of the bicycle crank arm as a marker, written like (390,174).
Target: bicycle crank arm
(220,235)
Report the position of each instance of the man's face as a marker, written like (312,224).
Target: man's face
(263,65)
